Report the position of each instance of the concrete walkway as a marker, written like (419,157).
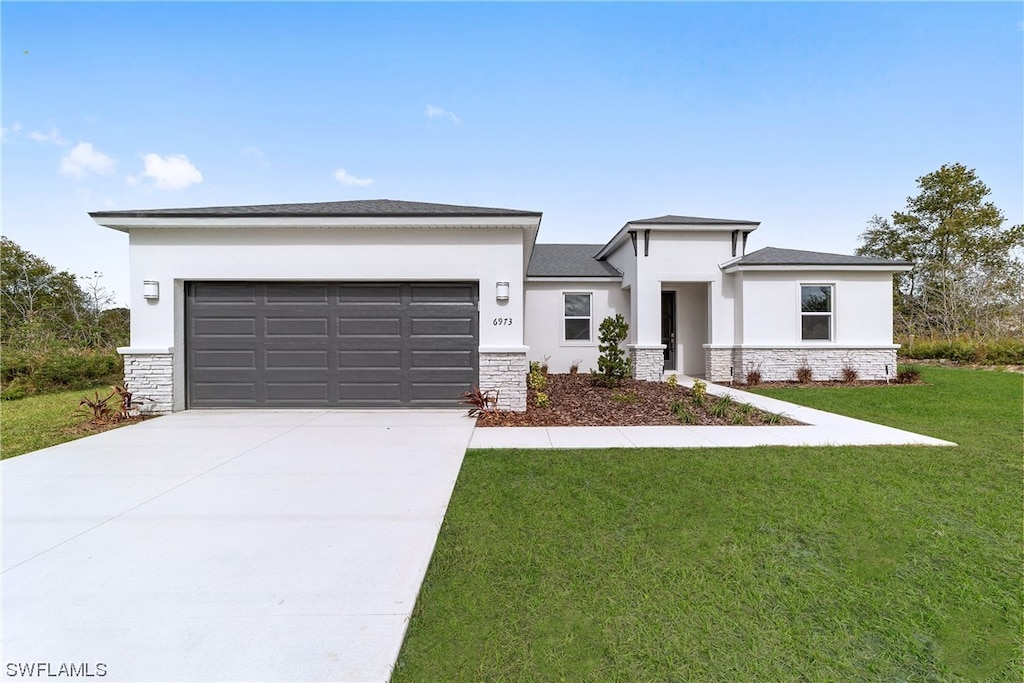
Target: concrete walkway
(819,429)
(226,545)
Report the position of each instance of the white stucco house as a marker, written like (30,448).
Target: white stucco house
(394,303)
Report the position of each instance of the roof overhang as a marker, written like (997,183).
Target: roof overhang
(623,234)
(880,268)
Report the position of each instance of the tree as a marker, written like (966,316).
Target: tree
(612,364)
(969,275)
(41,306)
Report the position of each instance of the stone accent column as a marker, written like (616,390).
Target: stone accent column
(718,363)
(648,362)
(149,375)
(505,372)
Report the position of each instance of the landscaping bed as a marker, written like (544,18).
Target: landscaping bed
(581,400)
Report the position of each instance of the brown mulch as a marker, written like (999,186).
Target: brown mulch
(579,400)
(89,427)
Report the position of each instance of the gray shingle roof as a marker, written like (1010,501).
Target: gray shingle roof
(773,256)
(568,260)
(691,220)
(360,207)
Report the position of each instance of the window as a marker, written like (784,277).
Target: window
(816,312)
(577,317)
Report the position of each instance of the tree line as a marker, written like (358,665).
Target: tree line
(968,277)
(43,308)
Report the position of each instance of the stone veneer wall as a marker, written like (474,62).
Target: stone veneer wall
(150,377)
(780,364)
(647,363)
(718,364)
(505,372)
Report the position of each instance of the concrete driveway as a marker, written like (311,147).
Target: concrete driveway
(225,545)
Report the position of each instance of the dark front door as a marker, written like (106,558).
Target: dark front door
(310,344)
(668,328)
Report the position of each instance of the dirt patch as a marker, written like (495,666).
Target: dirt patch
(580,401)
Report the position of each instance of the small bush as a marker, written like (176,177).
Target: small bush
(20,387)
(612,364)
(542,400)
(804,374)
(754,378)
(773,418)
(850,375)
(673,380)
(537,380)
(544,365)
(683,412)
(534,366)
(574,369)
(699,391)
(630,397)
(908,376)
(479,401)
(25,371)
(722,407)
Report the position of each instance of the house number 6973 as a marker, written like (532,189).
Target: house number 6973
(502,321)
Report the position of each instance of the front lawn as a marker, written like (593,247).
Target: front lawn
(43,420)
(871,563)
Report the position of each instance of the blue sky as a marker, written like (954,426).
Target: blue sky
(809,117)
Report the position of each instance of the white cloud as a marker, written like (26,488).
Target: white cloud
(174,172)
(434,112)
(346,178)
(257,155)
(52,138)
(7,132)
(84,159)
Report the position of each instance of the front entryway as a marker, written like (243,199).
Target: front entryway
(316,344)
(668,328)
(684,326)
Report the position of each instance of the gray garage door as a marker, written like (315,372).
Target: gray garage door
(289,344)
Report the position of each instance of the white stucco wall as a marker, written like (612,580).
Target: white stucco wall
(173,256)
(862,307)
(544,333)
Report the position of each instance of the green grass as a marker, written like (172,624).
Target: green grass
(38,421)
(823,564)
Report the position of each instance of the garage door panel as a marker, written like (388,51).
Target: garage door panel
(376,359)
(233,360)
(296,327)
(369,327)
(287,360)
(293,294)
(449,327)
(224,327)
(345,344)
(299,393)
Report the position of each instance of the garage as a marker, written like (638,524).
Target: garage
(315,344)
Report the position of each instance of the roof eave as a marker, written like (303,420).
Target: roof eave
(126,223)
(896,267)
(620,236)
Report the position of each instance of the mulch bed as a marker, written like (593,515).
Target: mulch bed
(89,427)
(579,400)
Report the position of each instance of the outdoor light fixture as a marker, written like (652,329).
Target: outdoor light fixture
(150,289)
(501,291)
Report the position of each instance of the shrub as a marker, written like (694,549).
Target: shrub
(804,374)
(542,400)
(683,412)
(575,367)
(908,376)
(480,401)
(699,391)
(612,364)
(544,365)
(629,397)
(1004,351)
(773,418)
(722,407)
(850,374)
(57,368)
(754,377)
(537,380)
(672,381)
(534,366)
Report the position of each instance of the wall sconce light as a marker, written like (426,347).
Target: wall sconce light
(150,289)
(501,291)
